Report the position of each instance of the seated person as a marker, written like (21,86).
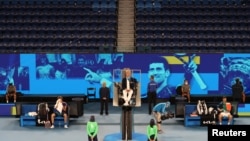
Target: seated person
(128,87)
(10,92)
(186,90)
(224,109)
(60,109)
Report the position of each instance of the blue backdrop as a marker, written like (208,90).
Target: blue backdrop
(72,73)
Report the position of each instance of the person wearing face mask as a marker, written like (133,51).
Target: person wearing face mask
(185,89)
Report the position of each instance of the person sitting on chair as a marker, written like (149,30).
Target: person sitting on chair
(60,109)
(10,92)
(186,90)
(128,86)
(225,110)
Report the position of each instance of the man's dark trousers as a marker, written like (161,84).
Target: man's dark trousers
(151,100)
(104,103)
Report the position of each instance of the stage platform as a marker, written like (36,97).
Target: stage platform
(118,136)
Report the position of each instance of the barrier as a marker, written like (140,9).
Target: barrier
(196,120)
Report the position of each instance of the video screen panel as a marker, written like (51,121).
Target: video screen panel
(64,74)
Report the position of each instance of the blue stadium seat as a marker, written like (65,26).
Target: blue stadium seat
(71,2)
(89,1)
(222,2)
(112,6)
(213,2)
(189,2)
(173,2)
(19,2)
(47,1)
(205,2)
(139,5)
(165,1)
(157,6)
(80,2)
(104,5)
(148,6)
(197,2)
(238,2)
(181,2)
(6,2)
(96,6)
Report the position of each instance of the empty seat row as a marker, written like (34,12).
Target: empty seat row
(190,27)
(56,2)
(74,26)
(188,12)
(61,12)
(52,19)
(194,43)
(189,2)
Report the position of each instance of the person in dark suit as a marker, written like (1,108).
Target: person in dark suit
(237,90)
(104,98)
(128,90)
(152,86)
(128,86)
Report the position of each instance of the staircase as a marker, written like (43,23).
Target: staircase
(125,32)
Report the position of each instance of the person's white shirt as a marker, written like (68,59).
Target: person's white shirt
(59,106)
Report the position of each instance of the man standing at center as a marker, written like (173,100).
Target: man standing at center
(104,98)
(152,86)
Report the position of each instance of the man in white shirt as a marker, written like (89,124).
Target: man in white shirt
(60,109)
(128,86)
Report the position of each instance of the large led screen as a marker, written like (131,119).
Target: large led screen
(64,74)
